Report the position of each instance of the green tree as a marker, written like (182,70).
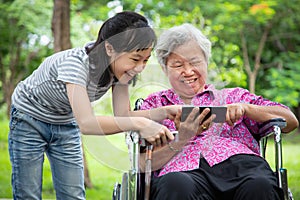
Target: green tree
(250,40)
(24,37)
(281,74)
(264,38)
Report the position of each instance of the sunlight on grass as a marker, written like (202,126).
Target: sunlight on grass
(110,151)
(107,159)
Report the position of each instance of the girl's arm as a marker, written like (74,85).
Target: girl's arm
(120,98)
(121,106)
(106,125)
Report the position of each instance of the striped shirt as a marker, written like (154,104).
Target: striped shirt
(43,94)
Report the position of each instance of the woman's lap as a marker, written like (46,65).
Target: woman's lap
(234,178)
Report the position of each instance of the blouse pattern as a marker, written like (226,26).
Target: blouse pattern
(220,141)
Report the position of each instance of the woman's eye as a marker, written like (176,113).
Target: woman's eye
(176,66)
(196,63)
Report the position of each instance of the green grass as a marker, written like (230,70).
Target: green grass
(105,174)
(291,160)
(103,177)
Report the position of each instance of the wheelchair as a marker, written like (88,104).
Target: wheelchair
(136,185)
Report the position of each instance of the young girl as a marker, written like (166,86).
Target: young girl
(52,106)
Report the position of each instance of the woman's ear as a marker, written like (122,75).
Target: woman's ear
(164,68)
(109,49)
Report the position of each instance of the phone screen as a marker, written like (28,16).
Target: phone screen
(219,111)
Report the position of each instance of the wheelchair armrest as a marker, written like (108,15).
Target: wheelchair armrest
(267,127)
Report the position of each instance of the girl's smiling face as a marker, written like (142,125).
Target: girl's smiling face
(128,64)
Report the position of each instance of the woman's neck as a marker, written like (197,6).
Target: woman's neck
(186,100)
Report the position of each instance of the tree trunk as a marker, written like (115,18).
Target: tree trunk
(61,25)
(10,78)
(297,113)
(8,89)
(252,73)
(87,181)
(61,33)
(252,80)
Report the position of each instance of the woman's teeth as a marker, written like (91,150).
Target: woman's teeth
(189,81)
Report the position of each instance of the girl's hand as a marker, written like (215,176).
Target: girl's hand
(156,134)
(172,111)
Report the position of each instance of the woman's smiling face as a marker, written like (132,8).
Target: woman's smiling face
(128,64)
(186,68)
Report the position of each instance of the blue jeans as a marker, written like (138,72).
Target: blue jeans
(29,140)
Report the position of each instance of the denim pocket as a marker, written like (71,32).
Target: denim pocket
(15,117)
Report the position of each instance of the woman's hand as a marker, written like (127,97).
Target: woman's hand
(234,112)
(194,124)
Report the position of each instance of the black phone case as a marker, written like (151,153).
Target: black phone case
(219,111)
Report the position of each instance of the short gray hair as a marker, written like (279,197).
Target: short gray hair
(177,36)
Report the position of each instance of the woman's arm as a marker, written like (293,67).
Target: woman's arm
(106,125)
(261,114)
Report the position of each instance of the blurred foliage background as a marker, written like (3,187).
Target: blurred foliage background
(255,43)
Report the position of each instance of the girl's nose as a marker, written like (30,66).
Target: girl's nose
(139,68)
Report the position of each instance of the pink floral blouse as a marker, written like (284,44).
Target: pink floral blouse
(220,141)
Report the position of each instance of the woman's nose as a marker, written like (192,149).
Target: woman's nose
(188,68)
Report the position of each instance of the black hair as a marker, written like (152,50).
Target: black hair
(127,31)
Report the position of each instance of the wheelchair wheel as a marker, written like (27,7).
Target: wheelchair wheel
(116,192)
(290,194)
(122,191)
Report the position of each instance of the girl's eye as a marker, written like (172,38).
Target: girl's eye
(135,60)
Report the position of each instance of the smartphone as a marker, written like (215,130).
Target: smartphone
(219,111)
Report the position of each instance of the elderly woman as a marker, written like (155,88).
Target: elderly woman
(210,160)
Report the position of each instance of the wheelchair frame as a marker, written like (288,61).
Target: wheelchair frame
(273,127)
(132,187)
